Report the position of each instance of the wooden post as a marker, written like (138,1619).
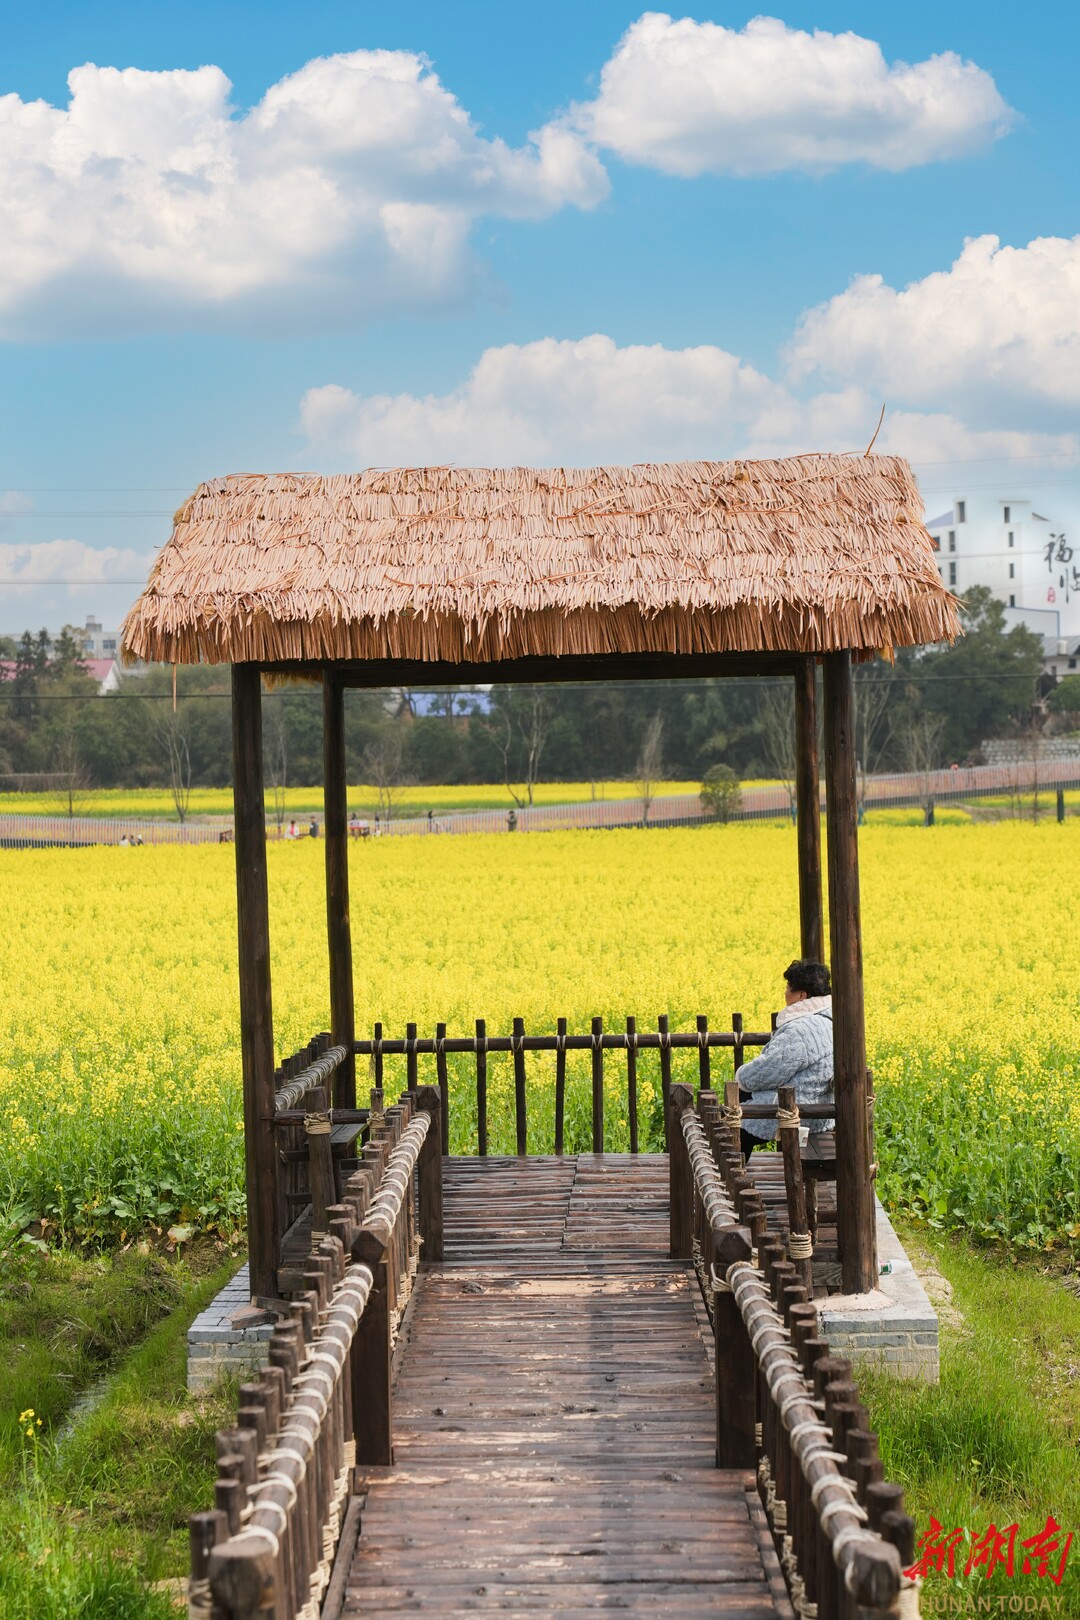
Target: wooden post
(338,935)
(429,1177)
(665,1072)
(253,954)
(320,1158)
(370,1360)
(520,1121)
(680,1177)
(734,1358)
(854,1187)
(481,1088)
(800,1247)
(808,812)
(444,1086)
(597,1086)
(560,1085)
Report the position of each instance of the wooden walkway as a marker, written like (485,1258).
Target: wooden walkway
(554,1416)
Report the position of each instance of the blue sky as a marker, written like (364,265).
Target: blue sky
(352,258)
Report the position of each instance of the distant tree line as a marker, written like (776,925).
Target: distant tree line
(926,709)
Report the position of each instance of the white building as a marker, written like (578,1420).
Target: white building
(99,643)
(1029,560)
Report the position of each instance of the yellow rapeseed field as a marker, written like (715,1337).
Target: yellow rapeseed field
(119,1092)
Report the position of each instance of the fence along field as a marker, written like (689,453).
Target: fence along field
(119,1073)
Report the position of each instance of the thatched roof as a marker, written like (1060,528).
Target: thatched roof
(811,554)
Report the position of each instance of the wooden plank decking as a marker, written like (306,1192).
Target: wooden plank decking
(554,1416)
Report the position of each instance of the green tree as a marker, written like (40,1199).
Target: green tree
(982,685)
(721,796)
(1065,698)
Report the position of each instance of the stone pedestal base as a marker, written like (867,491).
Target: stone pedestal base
(896,1326)
(219,1341)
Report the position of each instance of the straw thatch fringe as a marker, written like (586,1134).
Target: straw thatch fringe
(811,554)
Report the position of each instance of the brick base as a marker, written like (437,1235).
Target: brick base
(215,1347)
(896,1327)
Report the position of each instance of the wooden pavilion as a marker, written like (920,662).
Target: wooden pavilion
(445,575)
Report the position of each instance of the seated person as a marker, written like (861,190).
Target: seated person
(800,1053)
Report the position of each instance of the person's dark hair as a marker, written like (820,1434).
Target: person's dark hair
(813,977)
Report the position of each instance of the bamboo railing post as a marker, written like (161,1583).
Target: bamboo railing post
(560,1085)
(339,937)
(631,1081)
(443,1083)
(735,1380)
(520,1105)
(800,1243)
(665,1070)
(680,1178)
(597,1086)
(429,1178)
(481,1088)
(371,1359)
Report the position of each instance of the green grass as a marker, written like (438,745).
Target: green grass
(997,1440)
(94,1504)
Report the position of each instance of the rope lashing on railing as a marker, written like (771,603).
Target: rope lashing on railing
(316,1074)
(284,1467)
(385,1208)
(832,1493)
(293,1464)
(719,1209)
(317,1123)
(787,1119)
(800,1246)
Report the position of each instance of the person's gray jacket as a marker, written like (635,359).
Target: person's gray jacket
(800,1054)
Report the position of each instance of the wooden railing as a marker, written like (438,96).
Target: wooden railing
(840,1531)
(598,1042)
(324,1400)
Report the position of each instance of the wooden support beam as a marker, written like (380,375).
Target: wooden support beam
(338,934)
(854,1187)
(253,956)
(536,670)
(808,811)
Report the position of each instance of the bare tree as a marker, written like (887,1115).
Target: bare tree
(877,690)
(277,760)
(650,763)
(382,764)
(171,730)
(920,747)
(71,778)
(533,726)
(777,719)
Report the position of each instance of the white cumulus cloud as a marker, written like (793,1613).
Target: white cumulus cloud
(691,98)
(590,401)
(1000,329)
(50,581)
(349,191)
